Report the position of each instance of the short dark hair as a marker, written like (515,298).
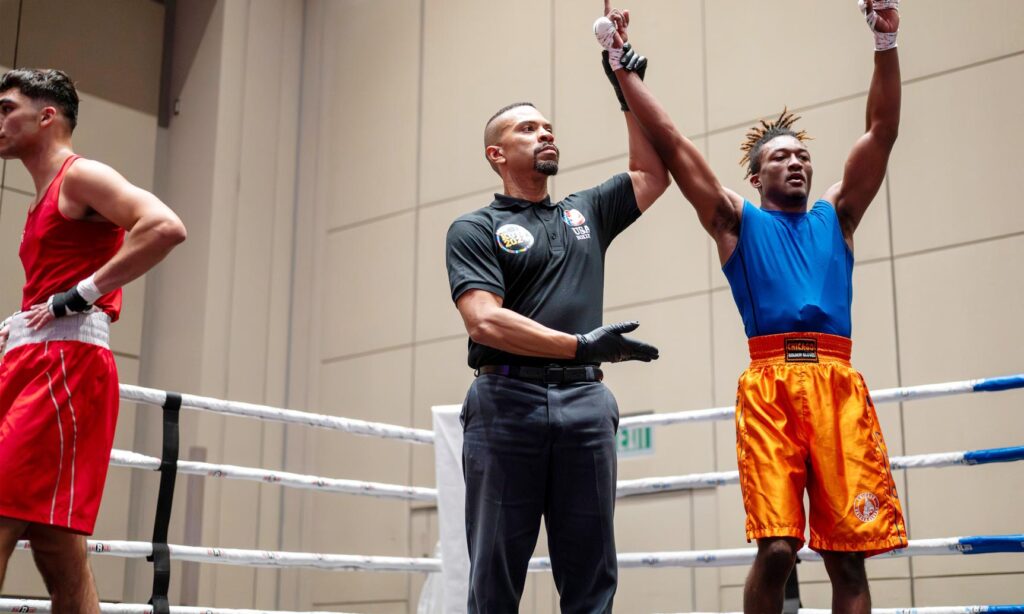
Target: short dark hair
(49,84)
(501,112)
(765,132)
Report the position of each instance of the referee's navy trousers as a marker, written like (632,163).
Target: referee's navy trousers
(533,450)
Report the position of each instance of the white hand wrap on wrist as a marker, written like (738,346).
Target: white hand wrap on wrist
(87,289)
(604,30)
(883,40)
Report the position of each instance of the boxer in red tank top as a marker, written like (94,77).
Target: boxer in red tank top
(58,380)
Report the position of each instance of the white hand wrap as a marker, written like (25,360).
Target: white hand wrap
(604,30)
(87,289)
(883,40)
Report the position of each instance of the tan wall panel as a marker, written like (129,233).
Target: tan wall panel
(367,298)
(887,593)
(369,107)
(478,57)
(441,378)
(8,32)
(663,254)
(436,315)
(650,524)
(424,536)
(12,276)
(87,38)
(986,29)
(375,387)
(971,589)
(588,122)
(678,380)
(954,308)
(941,195)
(753,65)
(874,330)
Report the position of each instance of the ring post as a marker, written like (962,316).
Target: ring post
(451,508)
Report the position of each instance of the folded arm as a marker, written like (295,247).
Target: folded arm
(490,324)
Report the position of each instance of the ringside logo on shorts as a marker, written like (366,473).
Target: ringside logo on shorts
(513,238)
(575,220)
(865,506)
(801,350)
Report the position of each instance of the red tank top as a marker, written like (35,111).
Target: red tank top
(58,252)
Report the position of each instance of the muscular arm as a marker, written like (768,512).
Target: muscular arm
(93,190)
(865,167)
(490,324)
(718,208)
(647,171)
(153,229)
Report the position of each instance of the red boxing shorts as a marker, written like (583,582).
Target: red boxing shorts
(804,419)
(58,411)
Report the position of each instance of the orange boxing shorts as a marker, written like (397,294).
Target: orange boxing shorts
(58,411)
(804,419)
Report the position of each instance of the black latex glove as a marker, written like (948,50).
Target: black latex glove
(631,61)
(608,344)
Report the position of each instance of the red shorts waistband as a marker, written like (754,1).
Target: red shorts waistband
(799,347)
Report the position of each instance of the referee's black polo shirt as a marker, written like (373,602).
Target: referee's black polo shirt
(546,260)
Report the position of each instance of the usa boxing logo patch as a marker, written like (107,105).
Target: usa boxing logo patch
(513,238)
(575,220)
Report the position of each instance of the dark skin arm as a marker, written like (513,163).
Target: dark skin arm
(490,324)
(718,208)
(865,167)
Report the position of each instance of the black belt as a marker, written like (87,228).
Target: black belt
(545,375)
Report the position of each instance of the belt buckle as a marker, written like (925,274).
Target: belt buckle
(554,375)
(576,374)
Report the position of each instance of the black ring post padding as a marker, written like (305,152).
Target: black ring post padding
(161,557)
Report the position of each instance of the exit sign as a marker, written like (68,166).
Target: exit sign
(634,441)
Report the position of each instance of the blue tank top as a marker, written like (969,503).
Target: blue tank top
(792,272)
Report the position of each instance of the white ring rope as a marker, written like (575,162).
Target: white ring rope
(693,558)
(745,556)
(887,395)
(261,558)
(152,396)
(45,607)
(959,609)
(134,460)
(645,486)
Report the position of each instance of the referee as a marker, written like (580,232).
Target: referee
(527,276)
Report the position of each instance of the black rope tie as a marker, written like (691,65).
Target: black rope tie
(161,557)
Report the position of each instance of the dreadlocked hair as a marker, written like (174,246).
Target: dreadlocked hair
(764,132)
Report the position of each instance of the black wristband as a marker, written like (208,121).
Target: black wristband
(632,62)
(71,301)
(613,80)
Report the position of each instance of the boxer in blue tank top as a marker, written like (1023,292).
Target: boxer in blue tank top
(790,268)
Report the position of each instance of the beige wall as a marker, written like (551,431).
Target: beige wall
(323,147)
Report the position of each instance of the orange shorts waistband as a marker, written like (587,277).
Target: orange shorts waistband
(799,347)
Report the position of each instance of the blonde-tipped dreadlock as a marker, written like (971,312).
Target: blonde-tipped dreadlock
(764,132)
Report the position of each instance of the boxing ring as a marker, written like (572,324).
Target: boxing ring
(448,589)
